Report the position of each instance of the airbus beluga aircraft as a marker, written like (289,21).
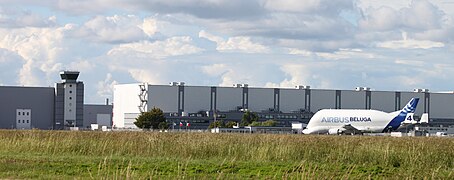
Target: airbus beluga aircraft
(337,121)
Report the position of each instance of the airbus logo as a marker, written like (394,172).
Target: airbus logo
(345,119)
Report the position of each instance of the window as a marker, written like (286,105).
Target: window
(70,98)
(18,113)
(23,113)
(28,113)
(28,121)
(18,121)
(23,121)
(70,85)
(70,91)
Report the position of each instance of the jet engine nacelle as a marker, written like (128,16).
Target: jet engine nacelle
(335,131)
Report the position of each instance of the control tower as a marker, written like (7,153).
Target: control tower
(69,101)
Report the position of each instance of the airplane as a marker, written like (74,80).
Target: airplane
(352,121)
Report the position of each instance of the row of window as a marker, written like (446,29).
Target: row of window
(23,121)
(23,113)
(268,116)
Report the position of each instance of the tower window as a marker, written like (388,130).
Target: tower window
(70,98)
(70,85)
(70,91)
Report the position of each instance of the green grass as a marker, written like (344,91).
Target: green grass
(148,155)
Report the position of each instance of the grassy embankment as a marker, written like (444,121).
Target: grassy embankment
(61,154)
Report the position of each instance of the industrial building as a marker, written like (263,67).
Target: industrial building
(57,108)
(200,105)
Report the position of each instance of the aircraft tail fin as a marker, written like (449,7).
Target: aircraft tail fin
(409,108)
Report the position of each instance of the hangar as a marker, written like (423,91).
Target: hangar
(200,105)
(59,107)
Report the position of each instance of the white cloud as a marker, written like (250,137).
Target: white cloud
(114,29)
(235,44)
(295,51)
(173,46)
(407,43)
(215,69)
(39,47)
(105,87)
(346,54)
(149,26)
(82,66)
(420,15)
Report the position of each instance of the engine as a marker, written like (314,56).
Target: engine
(335,131)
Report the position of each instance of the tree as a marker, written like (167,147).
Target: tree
(216,124)
(151,119)
(269,123)
(248,118)
(230,124)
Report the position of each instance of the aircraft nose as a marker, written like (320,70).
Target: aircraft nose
(306,131)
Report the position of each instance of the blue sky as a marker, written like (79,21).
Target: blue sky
(384,45)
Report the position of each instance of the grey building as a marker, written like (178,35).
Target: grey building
(97,114)
(69,101)
(200,105)
(50,108)
(26,107)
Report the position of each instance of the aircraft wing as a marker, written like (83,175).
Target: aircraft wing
(349,129)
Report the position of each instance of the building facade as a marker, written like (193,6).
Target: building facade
(26,107)
(200,105)
(69,101)
(58,108)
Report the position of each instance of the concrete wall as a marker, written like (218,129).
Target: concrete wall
(291,99)
(322,99)
(163,97)
(260,99)
(40,100)
(196,98)
(125,100)
(91,112)
(442,105)
(353,99)
(383,101)
(228,98)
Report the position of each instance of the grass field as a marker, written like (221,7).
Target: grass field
(148,155)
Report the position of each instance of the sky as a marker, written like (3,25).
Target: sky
(386,45)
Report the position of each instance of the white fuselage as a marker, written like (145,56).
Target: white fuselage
(364,120)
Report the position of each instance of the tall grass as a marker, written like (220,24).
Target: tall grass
(348,153)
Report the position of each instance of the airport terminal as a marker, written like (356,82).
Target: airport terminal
(60,107)
(201,105)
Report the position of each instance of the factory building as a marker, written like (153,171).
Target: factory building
(58,108)
(200,105)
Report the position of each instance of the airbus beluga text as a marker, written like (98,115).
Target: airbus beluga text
(336,121)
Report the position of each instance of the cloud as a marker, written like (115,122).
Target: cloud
(173,46)
(309,6)
(215,69)
(421,15)
(40,48)
(115,29)
(235,44)
(410,44)
(13,19)
(105,87)
(82,66)
(346,54)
